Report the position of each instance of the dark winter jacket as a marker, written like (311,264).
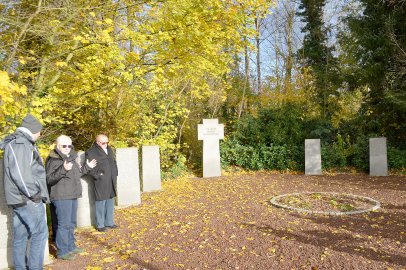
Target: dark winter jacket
(63,184)
(24,173)
(105,173)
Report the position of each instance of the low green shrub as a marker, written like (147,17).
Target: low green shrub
(176,171)
(259,157)
(396,158)
(338,154)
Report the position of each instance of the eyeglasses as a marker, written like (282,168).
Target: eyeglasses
(104,143)
(67,146)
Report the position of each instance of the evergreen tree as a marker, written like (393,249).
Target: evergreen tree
(316,54)
(377,41)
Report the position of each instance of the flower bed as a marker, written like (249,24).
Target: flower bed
(329,203)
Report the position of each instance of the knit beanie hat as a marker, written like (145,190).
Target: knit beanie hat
(31,123)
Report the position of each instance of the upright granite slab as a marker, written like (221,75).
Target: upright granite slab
(86,216)
(6,227)
(312,157)
(128,181)
(378,160)
(211,132)
(6,230)
(151,169)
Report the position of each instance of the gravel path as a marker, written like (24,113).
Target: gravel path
(228,223)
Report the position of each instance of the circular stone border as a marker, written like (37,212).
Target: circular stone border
(376,204)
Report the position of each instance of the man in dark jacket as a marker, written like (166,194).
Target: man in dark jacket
(26,192)
(63,178)
(105,181)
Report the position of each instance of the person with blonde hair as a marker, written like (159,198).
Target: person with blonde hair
(63,171)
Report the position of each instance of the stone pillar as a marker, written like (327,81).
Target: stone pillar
(211,132)
(128,181)
(86,216)
(378,161)
(151,169)
(312,157)
(6,227)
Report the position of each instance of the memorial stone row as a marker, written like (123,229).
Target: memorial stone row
(378,161)
(210,132)
(128,190)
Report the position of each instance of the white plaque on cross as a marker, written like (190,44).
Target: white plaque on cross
(211,132)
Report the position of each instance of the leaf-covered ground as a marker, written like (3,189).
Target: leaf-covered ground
(228,223)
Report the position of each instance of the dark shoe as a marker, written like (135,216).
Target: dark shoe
(77,250)
(113,226)
(68,256)
(102,229)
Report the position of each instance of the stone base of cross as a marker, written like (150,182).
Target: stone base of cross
(211,132)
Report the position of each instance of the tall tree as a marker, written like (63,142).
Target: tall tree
(282,37)
(377,42)
(316,54)
(134,69)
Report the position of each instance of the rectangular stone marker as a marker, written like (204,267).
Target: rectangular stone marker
(378,161)
(312,157)
(211,132)
(6,230)
(151,169)
(128,181)
(86,204)
(6,227)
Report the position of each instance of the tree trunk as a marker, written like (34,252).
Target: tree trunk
(257,42)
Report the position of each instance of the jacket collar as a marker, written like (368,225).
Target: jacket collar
(96,146)
(27,131)
(19,135)
(55,153)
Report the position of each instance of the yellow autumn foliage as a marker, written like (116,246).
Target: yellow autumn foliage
(12,102)
(134,73)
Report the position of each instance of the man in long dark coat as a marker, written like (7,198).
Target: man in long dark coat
(105,181)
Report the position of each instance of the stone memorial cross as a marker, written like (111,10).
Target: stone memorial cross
(211,132)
